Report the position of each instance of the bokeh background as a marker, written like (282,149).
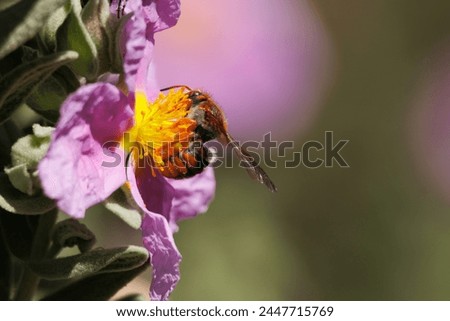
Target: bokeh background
(374,72)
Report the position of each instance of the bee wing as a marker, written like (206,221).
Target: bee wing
(253,169)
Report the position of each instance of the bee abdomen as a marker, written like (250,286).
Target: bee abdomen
(187,162)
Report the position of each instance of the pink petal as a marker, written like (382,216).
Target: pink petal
(145,77)
(192,196)
(164,256)
(72,172)
(161,14)
(154,190)
(133,43)
(154,196)
(137,51)
(137,40)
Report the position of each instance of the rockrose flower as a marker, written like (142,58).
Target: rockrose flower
(77,170)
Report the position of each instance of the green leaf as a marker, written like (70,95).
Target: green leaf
(65,76)
(29,53)
(47,98)
(14,201)
(70,232)
(26,153)
(21,20)
(21,179)
(73,35)
(42,132)
(117,58)
(89,263)
(20,82)
(7,3)
(18,232)
(98,287)
(102,27)
(119,204)
(49,30)
(31,149)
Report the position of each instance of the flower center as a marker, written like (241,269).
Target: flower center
(161,128)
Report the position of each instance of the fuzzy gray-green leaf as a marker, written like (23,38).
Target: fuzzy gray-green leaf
(119,204)
(32,148)
(20,178)
(54,22)
(89,263)
(26,153)
(47,98)
(17,85)
(14,201)
(22,20)
(73,35)
(98,287)
(70,232)
(102,26)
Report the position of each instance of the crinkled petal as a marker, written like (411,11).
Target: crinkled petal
(192,196)
(161,14)
(137,40)
(155,193)
(133,44)
(145,77)
(164,256)
(79,169)
(158,14)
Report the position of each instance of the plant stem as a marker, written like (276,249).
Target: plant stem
(41,241)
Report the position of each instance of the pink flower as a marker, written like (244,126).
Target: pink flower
(77,171)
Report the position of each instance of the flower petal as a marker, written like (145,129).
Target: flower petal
(137,39)
(154,196)
(158,14)
(164,256)
(133,43)
(191,196)
(156,193)
(161,14)
(145,76)
(78,170)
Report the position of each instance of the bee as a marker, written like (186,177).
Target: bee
(186,160)
(210,124)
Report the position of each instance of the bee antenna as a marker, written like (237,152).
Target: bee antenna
(176,86)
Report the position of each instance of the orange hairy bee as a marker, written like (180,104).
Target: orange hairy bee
(186,160)
(210,124)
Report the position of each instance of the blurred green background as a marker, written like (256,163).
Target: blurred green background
(379,230)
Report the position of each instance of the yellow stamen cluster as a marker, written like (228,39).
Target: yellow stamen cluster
(159,124)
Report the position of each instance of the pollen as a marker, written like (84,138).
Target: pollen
(161,127)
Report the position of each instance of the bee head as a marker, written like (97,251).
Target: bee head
(197,96)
